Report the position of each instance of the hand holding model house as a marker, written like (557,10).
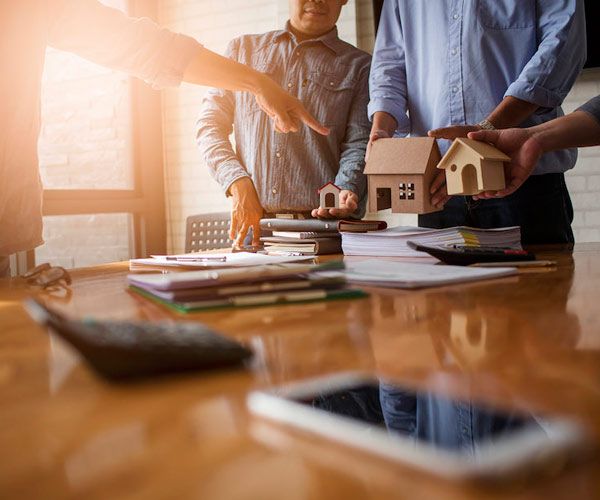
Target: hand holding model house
(335,202)
(408,175)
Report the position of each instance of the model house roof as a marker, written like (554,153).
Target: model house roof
(328,184)
(409,155)
(482,150)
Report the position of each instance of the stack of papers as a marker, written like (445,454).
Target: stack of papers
(249,286)
(374,272)
(392,242)
(210,260)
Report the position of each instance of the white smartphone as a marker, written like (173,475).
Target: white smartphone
(450,437)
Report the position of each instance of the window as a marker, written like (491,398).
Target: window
(101,163)
(407,191)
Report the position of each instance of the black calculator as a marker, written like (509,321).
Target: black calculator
(465,255)
(134,349)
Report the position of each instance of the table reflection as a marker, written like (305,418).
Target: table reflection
(425,417)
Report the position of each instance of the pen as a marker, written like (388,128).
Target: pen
(518,263)
(206,258)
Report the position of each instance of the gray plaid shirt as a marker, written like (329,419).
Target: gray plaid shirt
(330,77)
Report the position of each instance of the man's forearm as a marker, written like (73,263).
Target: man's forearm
(577,129)
(385,122)
(352,180)
(213,70)
(511,112)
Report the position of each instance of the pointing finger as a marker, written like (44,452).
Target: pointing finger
(308,119)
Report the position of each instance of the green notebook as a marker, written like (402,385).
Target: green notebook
(262,299)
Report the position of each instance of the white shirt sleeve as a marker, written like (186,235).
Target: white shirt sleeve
(108,37)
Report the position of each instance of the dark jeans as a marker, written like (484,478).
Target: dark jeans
(541,206)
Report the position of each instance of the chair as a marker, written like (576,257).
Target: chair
(207,232)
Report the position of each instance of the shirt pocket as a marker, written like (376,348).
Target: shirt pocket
(507,14)
(330,96)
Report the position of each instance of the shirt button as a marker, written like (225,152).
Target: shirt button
(455,89)
(331,84)
(289,85)
(278,154)
(455,17)
(274,191)
(454,51)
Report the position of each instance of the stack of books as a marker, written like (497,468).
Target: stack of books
(392,242)
(310,236)
(192,291)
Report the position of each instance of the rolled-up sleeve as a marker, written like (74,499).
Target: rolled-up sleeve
(551,72)
(213,128)
(352,157)
(107,36)
(387,82)
(592,108)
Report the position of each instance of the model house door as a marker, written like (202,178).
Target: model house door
(469,178)
(384,198)
(329,200)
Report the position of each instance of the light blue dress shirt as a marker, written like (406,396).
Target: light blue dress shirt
(438,63)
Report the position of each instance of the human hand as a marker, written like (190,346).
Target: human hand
(373,136)
(348,205)
(246,212)
(284,109)
(524,150)
(453,132)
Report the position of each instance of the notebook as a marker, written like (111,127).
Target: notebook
(390,274)
(305,246)
(321,225)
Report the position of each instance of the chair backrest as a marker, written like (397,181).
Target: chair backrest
(207,232)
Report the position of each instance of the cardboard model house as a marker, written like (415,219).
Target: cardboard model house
(329,196)
(400,173)
(473,166)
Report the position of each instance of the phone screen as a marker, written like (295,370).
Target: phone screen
(460,426)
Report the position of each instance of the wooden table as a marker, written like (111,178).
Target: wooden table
(531,341)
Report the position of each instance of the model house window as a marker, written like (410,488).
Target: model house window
(407,191)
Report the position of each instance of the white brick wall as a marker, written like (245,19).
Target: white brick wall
(584,179)
(85,240)
(190,189)
(85,143)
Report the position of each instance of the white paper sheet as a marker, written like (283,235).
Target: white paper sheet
(237,259)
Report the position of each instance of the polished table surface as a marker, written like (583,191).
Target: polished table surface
(530,341)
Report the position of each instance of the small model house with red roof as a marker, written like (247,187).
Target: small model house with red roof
(400,173)
(329,196)
(472,167)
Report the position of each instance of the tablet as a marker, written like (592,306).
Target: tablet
(455,438)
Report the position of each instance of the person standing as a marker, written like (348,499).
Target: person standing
(108,37)
(445,68)
(267,173)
